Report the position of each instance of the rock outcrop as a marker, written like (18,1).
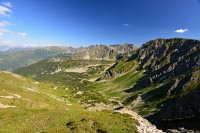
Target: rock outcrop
(144,125)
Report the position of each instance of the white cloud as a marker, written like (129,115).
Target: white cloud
(8,4)
(181,30)
(5,45)
(22,34)
(4,23)
(125,25)
(2,29)
(5,11)
(6,42)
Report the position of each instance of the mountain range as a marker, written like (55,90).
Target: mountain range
(12,59)
(159,80)
(19,57)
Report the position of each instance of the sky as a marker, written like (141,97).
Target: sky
(88,22)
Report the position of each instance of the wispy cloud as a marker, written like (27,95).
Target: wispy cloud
(125,25)
(4,23)
(22,34)
(181,30)
(5,11)
(8,4)
(2,29)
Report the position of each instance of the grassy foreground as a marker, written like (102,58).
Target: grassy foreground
(29,106)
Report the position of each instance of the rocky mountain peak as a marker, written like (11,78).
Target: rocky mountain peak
(104,52)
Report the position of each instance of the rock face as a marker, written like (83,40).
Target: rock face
(103,52)
(164,58)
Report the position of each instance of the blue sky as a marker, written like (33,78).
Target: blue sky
(88,22)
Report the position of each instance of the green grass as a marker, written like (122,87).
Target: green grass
(39,112)
(75,120)
(128,80)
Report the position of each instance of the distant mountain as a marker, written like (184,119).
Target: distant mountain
(19,57)
(104,52)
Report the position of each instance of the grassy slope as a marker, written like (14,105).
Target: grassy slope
(48,110)
(79,85)
(72,81)
(92,91)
